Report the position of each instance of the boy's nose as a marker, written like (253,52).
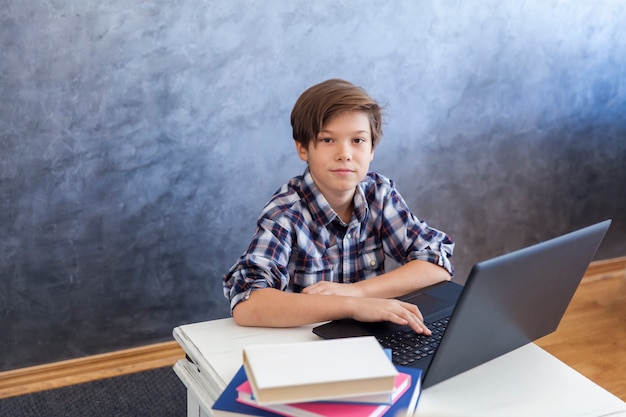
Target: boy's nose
(344,152)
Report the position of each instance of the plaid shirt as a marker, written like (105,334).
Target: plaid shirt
(300,240)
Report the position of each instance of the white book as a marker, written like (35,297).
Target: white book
(318,370)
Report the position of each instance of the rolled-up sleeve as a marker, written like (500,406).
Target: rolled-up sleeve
(263,265)
(407,238)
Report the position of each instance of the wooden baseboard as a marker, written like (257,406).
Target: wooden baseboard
(75,371)
(91,368)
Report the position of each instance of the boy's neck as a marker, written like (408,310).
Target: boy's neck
(343,206)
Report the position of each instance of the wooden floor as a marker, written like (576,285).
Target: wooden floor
(592,336)
(591,339)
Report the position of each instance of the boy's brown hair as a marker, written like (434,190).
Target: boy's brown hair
(323,101)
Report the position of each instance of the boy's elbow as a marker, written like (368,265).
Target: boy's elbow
(444,274)
(447,275)
(249,311)
(240,315)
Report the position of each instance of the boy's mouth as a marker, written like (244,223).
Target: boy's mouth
(342,171)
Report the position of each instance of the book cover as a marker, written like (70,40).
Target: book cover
(343,408)
(318,370)
(227,404)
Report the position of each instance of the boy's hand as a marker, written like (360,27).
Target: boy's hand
(373,309)
(395,311)
(333,288)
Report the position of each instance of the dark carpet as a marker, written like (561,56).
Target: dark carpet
(153,393)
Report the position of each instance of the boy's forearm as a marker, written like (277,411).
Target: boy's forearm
(270,307)
(403,280)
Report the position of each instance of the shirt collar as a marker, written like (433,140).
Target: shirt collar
(319,206)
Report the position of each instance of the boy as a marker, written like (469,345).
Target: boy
(319,248)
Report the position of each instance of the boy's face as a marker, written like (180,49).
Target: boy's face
(339,158)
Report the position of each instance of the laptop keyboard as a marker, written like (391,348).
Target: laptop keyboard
(407,346)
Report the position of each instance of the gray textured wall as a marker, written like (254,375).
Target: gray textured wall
(139,141)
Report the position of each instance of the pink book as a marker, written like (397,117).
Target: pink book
(335,408)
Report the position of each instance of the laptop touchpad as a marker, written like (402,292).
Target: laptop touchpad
(427,304)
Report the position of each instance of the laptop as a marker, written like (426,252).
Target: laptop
(507,302)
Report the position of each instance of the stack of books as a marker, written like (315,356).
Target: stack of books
(350,377)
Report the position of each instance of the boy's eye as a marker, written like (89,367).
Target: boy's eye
(359,140)
(326,140)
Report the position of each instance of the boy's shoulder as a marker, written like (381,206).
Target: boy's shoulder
(375,182)
(287,199)
(376,178)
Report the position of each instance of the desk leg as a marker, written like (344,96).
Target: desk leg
(193,406)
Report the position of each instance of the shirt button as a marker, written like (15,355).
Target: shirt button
(372,263)
(348,236)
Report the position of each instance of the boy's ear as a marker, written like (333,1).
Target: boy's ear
(302,151)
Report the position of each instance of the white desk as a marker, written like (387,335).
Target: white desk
(526,382)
